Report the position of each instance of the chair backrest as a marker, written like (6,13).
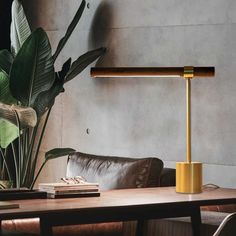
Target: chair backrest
(116,172)
(227,227)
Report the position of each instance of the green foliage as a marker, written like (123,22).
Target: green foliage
(58,152)
(33,67)
(20,29)
(6,60)
(82,62)
(70,29)
(29,86)
(8,131)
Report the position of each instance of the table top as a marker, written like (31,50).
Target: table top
(118,200)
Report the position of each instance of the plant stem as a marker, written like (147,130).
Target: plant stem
(39,145)
(29,153)
(19,150)
(4,161)
(36,177)
(15,163)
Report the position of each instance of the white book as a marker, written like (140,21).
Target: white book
(65,186)
(8,205)
(71,191)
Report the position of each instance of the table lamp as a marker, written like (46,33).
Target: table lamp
(188,173)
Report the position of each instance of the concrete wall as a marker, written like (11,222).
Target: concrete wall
(146,116)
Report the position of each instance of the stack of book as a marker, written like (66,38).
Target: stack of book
(63,190)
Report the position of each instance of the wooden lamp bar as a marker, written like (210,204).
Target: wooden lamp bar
(149,71)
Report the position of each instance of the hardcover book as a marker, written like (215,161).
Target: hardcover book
(60,190)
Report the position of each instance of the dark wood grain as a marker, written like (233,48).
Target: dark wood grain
(120,205)
(119,200)
(149,72)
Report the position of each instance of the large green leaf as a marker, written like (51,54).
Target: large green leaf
(32,70)
(65,69)
(58,152)
(82,62)
(46,99)
(6,60)
(20,29)
(11,116)
(8,131)
(5,95)
(70,29)
(23,116)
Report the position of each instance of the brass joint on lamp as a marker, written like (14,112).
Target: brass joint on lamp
(188,72)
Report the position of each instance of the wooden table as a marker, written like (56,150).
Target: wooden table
(120,205)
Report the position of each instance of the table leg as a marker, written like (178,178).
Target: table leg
(141,228)
(196,221)
(45,227)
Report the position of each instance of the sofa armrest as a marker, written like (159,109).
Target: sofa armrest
(167,177)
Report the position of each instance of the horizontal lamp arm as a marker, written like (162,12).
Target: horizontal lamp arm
(150,71)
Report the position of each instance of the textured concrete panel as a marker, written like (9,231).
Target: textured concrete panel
(146,116)
(131,13)
(149,112)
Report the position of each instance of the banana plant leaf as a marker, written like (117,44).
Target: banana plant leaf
(46,99)
(82,62)
(70,30)
(32,71)
(21,116)
(58,152)
(5,95)
(8,131)
(6,60)
(65,69)
(20,29)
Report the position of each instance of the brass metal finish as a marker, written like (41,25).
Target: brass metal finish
(188,72)
(188,120)
(188,177)
(152,71)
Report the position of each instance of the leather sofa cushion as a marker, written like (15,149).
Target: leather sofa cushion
(31,227)
(168,177)
(116,172)
(220,208)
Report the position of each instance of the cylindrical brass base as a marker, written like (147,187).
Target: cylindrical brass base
(189,177)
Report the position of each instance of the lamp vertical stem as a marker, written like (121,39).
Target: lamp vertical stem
(188,120)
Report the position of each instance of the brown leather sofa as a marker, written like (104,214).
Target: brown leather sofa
(111,173)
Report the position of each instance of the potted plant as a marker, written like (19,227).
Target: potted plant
(28,88)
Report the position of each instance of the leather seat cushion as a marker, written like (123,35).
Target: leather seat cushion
(116,172)
(31,226)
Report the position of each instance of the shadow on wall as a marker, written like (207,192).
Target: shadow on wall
(101,33)
(45,14)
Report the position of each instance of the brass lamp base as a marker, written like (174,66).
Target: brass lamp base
(189,177)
